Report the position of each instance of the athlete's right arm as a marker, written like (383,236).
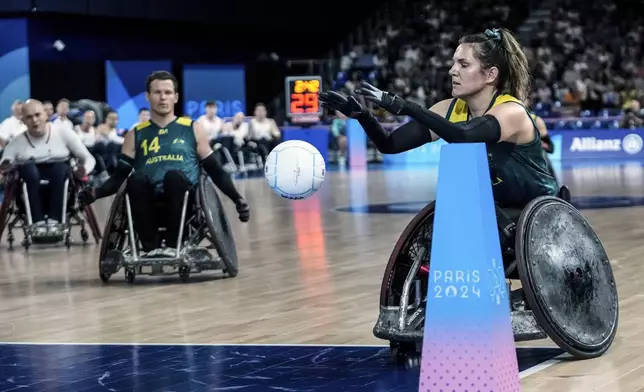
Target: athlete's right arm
(123,168)
(404,138)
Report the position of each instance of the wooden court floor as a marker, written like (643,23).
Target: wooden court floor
(309,276)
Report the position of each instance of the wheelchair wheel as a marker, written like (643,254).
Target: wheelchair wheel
(115,237)
(11,183)
(404,285)
(567,277)
(220,233)
(92,221)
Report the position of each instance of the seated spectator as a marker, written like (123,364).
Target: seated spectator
(41,153)
(211,122)
(87,134)
(12,126)
(338,136)
(233,135)
(108,142)
(62,111)
(144,115)
(263,131)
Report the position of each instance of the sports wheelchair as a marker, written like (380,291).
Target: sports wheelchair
(15,212)
(205,220)
(568,289)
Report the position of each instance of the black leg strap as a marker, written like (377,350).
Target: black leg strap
(506,226)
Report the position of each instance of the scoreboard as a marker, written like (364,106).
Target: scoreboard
(302,104)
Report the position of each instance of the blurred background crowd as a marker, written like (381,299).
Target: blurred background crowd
(586,57)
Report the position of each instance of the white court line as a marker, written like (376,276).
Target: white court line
(541,366)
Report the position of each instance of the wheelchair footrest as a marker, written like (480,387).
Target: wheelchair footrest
(524,327)
(197,259)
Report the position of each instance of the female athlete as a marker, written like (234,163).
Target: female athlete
(490,82)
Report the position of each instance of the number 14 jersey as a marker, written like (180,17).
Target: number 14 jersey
(159,150)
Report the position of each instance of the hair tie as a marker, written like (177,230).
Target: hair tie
(495,34)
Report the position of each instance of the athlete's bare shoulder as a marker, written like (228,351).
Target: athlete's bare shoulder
(441,107)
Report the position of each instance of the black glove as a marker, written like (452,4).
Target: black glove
(86,197)
(243,209)
(348,106)
(386,100)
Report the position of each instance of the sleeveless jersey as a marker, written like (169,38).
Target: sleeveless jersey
(519,172)
(159,150)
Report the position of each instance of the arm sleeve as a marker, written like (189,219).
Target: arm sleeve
(220,177)
(404,138)
(78,149)
(484,129)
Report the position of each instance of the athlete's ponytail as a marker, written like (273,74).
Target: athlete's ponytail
(498,48)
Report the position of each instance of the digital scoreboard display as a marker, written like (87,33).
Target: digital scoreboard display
(302,104)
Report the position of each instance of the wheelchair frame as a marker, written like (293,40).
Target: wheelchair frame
(23,219)
(123,251)
(403,324)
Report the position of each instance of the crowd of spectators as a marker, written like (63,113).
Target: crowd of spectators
(586,57)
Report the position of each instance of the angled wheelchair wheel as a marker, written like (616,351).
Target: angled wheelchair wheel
(567,277)
(90,216)
(404,287)
(220,234)
(11,183)
(115,236)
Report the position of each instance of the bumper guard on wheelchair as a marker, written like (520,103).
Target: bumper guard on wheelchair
(404,323)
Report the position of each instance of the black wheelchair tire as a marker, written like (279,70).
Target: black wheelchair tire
(117,208)
(11,182)
(541,314)
(218,226)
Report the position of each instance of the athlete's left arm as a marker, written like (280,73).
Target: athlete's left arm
(501,123)
(77,148)
(547,144)
(212,167)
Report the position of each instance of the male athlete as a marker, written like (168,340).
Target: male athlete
(166,154)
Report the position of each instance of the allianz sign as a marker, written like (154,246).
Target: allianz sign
(630,144)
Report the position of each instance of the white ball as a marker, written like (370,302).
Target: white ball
(295,170)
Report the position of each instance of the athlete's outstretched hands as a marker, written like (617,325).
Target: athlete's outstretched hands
(386,100)
(348,106)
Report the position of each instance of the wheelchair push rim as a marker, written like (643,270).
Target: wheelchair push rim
(567,277)
(220,233)
(402,311)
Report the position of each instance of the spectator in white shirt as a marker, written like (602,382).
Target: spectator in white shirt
(43,154)
(87,134)
(233,135)
(211,122)
(263,131)
(12,126)
(62,110)
(108,142)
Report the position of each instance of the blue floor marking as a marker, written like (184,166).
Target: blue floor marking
(149,368)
